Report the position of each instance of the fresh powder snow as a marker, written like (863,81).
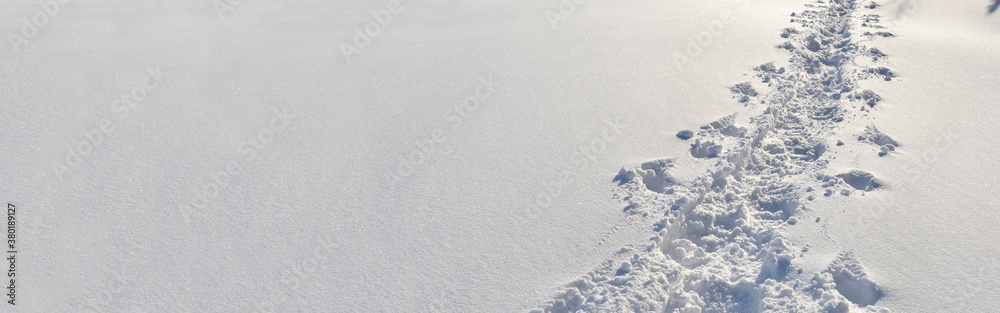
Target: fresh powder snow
(488,156)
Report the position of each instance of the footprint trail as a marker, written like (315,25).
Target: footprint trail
(717,245)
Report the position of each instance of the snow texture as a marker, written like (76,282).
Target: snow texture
(716,246)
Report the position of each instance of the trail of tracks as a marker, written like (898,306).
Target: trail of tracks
(717,246)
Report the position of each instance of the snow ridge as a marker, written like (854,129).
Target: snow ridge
(718,246)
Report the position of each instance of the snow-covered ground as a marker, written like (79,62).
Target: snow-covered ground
(475,156)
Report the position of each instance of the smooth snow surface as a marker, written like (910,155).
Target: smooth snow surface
(514,156)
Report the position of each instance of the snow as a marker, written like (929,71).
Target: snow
(459,156)
(928,236)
